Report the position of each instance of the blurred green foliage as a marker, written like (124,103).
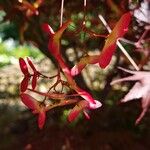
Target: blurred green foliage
(10,48)
(10,51)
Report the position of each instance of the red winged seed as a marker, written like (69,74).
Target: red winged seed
(41,119)
(23,66)
(34,81)
(35,75)
(31,65)
(29,101)
(110,45)
(24,83)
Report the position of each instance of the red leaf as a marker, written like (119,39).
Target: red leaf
(24,83)
(23,66)
(110,45)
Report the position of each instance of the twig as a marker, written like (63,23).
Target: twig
(105,23)
(128,56)
(127,41)
(118,43)
(84,7)
(61,12)
(84,3)
(143,35)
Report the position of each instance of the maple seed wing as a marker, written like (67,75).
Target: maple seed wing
(59,33)
(110,45)
(74,113)
(47,28)
(29,101)
(34,81)
(24,83)
(82,64)
(78,68)
(31,65)
(23,66)
(41,119)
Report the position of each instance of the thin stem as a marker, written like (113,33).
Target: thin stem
(127,41)
(44,76)
(105,23)
(138,42)
(128,56)
(91,33)
(61,12)
(63,103)
(143,36)
(119,44)
(52,95)
(84,3)
(84,8)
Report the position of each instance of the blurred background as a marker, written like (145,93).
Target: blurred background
(112,127)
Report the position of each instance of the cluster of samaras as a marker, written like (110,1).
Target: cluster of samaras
(83,100)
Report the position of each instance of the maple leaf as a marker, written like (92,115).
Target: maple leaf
(36,108)
(109,48)
(141,89)
(82,106)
